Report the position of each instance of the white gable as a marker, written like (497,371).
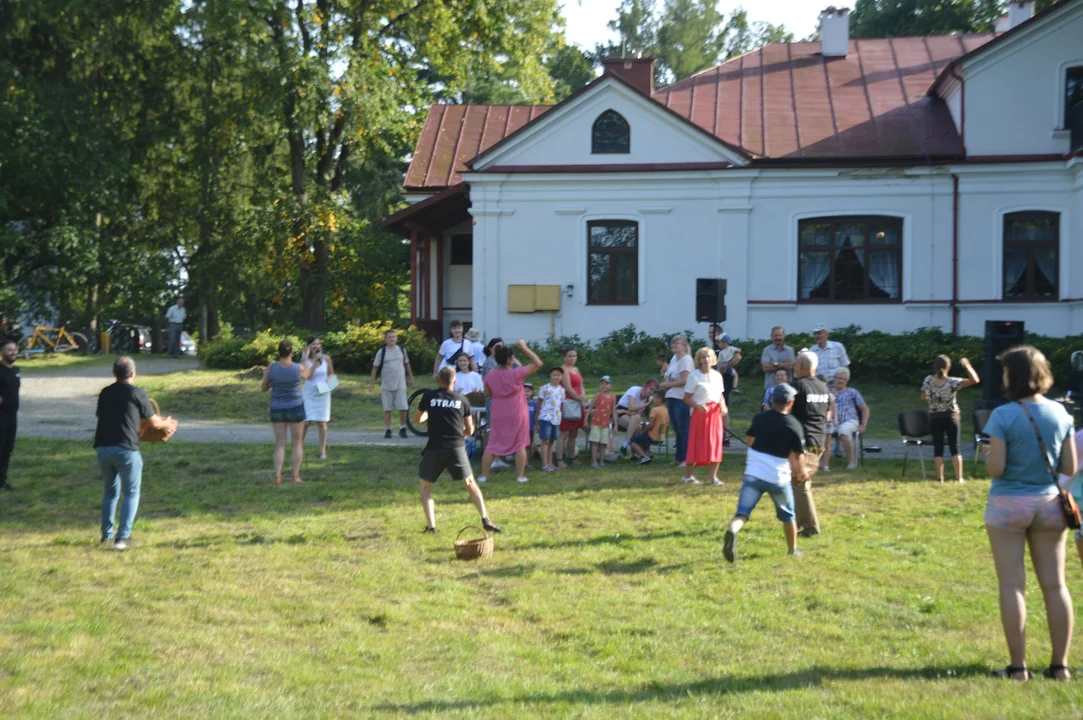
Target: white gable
(1014,93)
(562,136)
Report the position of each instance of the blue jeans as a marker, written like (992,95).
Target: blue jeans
(174,339)
(120,468)
(752,489)
(679,417)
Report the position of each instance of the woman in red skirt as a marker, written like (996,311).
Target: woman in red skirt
(703,392)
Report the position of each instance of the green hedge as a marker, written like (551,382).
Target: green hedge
(352,349)
(900,359)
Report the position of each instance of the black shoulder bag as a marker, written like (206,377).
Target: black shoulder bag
(1067,503)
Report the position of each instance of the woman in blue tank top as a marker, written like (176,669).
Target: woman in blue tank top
(283,378)
(1030,440)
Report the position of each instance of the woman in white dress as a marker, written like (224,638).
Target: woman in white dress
(317,405)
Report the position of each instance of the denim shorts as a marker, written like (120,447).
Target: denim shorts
(288,415)
(752,489)
(547,431)
(1019,513)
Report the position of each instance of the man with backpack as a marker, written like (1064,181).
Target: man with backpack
(392,366)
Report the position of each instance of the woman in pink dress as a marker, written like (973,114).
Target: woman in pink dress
(509,420)
(573,390)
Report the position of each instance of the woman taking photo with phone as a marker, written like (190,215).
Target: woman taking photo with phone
(317,404)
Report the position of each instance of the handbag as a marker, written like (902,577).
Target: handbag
(156,428)
(1068,505)
(571,410)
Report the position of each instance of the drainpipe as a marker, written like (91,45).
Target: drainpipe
(954,254)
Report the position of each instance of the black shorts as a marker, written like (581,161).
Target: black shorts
(435,461)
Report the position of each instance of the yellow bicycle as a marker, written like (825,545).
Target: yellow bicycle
(49,339)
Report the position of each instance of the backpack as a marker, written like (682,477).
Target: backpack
(380,358)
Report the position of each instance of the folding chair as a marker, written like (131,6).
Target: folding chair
(914,428)
(980,417)
(662,446)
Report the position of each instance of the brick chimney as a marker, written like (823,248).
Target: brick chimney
(637,71)
(835,32)
(1019,11)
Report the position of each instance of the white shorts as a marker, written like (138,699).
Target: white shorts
(599,435)
(848,428)
(394,399)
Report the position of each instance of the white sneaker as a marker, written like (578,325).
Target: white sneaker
(691,480)
(716,481)
(852,466)
(498,464)
(481,479)
(522,479)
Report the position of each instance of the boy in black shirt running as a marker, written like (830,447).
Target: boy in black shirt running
(449,423)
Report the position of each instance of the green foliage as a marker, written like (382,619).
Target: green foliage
(352,349)
(623,351)
(902,18)
(908,357)
(570,69)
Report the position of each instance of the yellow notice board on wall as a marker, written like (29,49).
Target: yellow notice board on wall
(533,298)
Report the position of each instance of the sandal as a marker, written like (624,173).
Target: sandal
(1009,673)
(297,479)
(1051,672)
(278,480)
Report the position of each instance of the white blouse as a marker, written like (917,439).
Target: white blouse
(469,382)
(706,388)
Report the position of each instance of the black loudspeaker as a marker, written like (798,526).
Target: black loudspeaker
(1000,335)
(711,300)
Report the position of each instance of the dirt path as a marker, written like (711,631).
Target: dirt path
(60,404)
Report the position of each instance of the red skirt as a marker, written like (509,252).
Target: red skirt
(705,436)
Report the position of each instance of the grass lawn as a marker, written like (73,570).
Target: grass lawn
(232,395)
(607,597)
(47,362)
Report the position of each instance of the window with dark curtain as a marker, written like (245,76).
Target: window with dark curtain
(612,262)
(462,250)
(610,134)
(849,259)
(1073,105)
(1031,255)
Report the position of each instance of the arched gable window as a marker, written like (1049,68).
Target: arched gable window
(1073,105)
(1031,255)
(610,134)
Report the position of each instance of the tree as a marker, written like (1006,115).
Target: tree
(637,26)
(348,76)
(569,69)
(901,18)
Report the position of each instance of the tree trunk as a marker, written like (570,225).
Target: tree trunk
(203,317)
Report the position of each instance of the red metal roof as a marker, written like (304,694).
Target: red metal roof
(783,101)
(454,134)
(789,101)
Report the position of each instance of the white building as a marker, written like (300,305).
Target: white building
(889,183)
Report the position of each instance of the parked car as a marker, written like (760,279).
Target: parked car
(187,344)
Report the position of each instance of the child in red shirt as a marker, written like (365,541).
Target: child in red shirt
(605,413)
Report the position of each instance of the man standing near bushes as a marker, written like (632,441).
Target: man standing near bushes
(175,315)
(392,366)
(810,407)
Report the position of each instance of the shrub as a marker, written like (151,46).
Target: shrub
(353,349)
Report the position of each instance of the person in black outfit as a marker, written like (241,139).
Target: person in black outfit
(810,408)
(447,414)
(9,406)
(776,457)
(121,407)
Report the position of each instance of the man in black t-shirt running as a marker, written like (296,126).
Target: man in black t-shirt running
(810,408)
(776,455)
(449,423)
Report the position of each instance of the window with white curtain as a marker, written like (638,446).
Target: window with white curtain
(849,259)
(1031,255)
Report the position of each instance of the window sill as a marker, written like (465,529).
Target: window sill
(612,304)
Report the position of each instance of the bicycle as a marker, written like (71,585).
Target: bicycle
(49,339)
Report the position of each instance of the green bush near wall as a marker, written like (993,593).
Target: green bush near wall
(352,349)
(900,359)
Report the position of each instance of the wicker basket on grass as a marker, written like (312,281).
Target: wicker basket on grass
(473,549)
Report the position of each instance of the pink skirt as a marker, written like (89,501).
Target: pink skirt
(705,436)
